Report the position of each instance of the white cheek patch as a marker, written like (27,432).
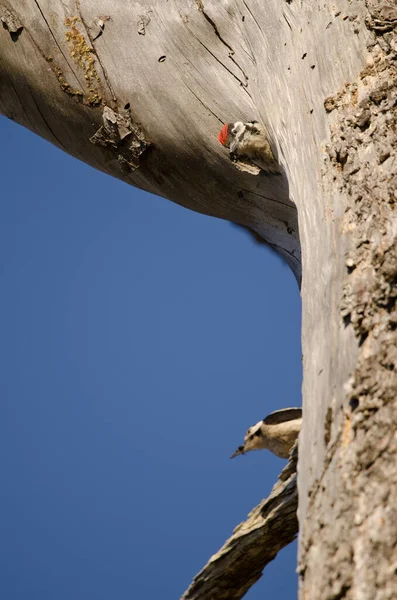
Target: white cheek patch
(252,430)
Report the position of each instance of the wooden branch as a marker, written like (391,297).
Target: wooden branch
(270,526)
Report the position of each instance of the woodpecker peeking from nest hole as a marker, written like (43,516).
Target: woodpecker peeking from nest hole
(249,143)
(277,433)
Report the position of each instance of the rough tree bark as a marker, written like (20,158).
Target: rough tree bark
(140,90)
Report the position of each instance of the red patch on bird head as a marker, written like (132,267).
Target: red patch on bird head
(224,134)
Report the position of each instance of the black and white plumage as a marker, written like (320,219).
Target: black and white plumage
(249,142)
(277,432)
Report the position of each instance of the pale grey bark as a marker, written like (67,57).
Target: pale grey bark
(181,75)
(140,90)
(348,546)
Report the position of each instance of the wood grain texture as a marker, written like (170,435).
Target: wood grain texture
(321,77)
(271,526)
(182,81)
(348,550)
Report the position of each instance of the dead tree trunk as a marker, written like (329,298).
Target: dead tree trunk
(140,90)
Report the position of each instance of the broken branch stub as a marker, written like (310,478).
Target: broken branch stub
(271,526)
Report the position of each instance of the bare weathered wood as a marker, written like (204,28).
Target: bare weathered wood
(348,549)
(271,526)
(140,91)
(179,79)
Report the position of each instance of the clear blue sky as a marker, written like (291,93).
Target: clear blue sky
(139,340)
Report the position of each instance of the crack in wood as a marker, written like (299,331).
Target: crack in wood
(222,40)
(253,17)
(31,125)
(57,44)
(212,23)
(244,85)
(45,121)
(286,20)
(93,49)
(289,205)
(201,102)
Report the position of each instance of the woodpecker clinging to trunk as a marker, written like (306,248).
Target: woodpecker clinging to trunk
(249,142)
(277,433)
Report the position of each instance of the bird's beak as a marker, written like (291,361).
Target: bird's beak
(240,450)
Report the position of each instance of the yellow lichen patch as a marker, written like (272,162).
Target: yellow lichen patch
(83,56)
(65,86)
(94,100)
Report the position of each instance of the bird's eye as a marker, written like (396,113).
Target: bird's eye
(248,431)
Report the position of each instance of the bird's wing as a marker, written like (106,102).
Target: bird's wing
(283,415)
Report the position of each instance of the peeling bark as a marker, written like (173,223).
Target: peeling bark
(12,24)
(119,133)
